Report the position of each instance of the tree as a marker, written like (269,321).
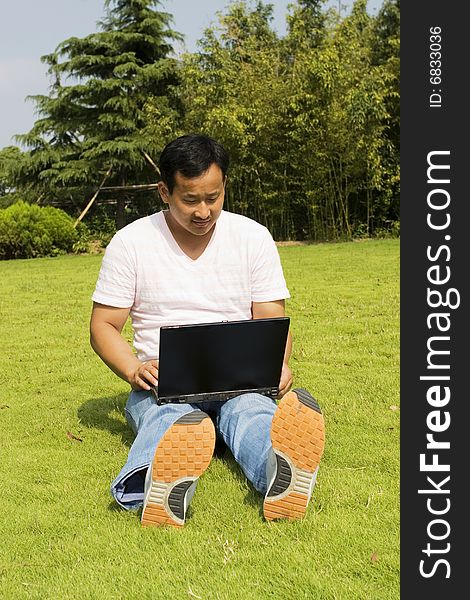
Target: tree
(9,156)
(306,25)
(386,56)
(232,89)
(11,160)
(337,121)
(96,123)
(308,119)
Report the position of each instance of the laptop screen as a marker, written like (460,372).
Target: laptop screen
(211,358)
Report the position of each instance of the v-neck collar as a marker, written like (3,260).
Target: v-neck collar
(177,248)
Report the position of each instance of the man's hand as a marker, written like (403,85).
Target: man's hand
(286,380)
(145,373)
(268,310)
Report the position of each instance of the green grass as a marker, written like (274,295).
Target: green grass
(61,535)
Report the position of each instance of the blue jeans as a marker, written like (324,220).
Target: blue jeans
(244,423)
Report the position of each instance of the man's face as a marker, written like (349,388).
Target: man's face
(195,204)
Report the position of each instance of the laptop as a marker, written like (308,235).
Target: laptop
(218,361)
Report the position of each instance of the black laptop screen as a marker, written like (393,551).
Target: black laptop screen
(208,358)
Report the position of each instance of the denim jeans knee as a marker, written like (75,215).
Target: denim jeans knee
(149,422)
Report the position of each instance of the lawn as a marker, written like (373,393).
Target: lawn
(63,438)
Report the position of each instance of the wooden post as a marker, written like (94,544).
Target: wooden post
(88,206)
(150,161)
(130,188)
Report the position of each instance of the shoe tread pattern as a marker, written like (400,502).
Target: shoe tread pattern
(185,450)
(298,432)
(155,514)
(291,507)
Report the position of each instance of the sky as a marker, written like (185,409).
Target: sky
(32,28)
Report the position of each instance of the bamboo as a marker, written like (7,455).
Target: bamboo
(140,187)
(150,161)
(88,206)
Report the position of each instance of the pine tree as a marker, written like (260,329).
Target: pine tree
(96,124)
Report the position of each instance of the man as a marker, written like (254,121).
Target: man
(195,263)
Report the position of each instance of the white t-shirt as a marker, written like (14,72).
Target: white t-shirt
(145,270)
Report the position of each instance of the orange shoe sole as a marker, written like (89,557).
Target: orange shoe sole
(298,439)
(182,455)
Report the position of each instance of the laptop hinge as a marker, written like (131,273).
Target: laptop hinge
(213,396)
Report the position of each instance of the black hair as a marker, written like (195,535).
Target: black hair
(191,155)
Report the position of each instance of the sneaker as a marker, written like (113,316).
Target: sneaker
(298,439)
(182,455)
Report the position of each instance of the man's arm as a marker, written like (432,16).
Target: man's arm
(266,310)
(106,325)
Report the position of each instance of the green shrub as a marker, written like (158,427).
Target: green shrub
(392,230)
(28,230)
(102,226)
